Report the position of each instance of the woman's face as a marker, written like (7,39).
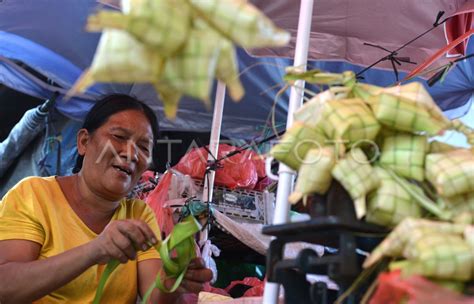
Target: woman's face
(116,154)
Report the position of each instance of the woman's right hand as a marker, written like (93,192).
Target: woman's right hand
(121,239)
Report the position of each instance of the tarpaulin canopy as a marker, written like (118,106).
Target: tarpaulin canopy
(48,36)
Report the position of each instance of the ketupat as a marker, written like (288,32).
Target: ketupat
(396,242)
(113,63)
(295,143)
(314,175)
(438,255)
(228,71)
(348,120)
(451,173)
(462,207)
(191,71)
(389,204)
(310,112)
(408,108)
(162,25)
(357,176)
(404,153)
(239,21)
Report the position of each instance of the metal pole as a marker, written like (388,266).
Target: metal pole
(214,148)
(286,175)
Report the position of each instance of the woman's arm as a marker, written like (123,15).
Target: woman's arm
(24,278)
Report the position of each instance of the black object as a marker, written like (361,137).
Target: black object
(49,103)
(333,224)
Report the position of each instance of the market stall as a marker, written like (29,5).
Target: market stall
(365,155)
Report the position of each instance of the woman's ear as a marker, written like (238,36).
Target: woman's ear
(82,141)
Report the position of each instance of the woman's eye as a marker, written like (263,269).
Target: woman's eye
(143,148)
(120,137)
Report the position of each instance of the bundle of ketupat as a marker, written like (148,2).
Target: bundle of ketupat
(433,249)
(348,120)
(189,42)
(295,144)
(357,176)
(162,25)
(390,203)
(314,175)
(452,172)
(408,108)
(404,153)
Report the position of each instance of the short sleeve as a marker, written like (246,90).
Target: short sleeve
(149,217)
(18,219)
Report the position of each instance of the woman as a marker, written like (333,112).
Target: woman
(56,233)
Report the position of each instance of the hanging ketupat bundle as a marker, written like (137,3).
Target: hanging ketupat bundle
(349,120)
(314,175)
(358,177)
(162,25)
(113,62)
(241,22)
(404,153)
(183,43)
(295,144)
(451,173)
(389,204)
(408,108)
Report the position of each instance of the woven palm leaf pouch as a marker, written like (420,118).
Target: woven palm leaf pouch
(451,173)
(357,176)
(163,25)
(462,207)
(408,108)
(295,144)
(349,121)
(314,175)
(241,22)
(120,58)
(390,203)
(409,231)
(439,255)
(405,153)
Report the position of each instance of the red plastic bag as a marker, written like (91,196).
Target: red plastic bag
(239,171)
(156,200)
(255,291)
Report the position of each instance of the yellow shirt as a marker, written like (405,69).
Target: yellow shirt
(37,210)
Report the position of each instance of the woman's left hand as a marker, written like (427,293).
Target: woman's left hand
(196,276)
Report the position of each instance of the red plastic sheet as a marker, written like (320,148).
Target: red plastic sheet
(393,289)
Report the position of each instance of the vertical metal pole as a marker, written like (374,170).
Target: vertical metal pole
(286,179)
(213,147)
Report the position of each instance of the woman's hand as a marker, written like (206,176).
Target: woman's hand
(121,240)
(194,279)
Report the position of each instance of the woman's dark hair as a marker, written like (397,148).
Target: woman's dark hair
(110,105)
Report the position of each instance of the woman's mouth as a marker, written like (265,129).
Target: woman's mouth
(123,169)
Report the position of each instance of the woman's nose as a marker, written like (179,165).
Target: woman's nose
(130,152)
